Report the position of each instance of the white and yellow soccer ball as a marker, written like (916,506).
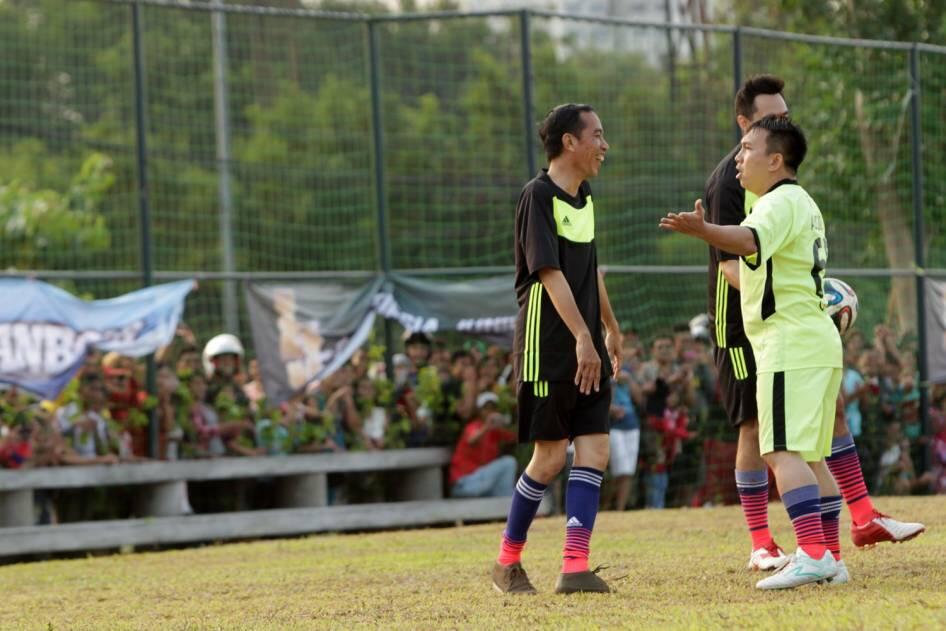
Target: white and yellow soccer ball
(840,303)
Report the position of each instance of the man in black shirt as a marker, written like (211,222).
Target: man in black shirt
(564,329)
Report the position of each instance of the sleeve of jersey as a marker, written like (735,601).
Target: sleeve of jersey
(772,225)
(537,233)
(729,202)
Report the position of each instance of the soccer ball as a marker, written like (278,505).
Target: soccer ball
(840,303)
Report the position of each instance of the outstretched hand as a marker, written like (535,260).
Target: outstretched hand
(691,223)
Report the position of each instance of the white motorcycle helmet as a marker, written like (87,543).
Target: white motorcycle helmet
(223,344)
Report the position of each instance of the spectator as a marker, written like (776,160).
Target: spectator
(188,361)
(625,438)
(253,389)
(418,348)
(126,400)
(208,435)
(936,478)
(84,424)
(166,410)
(478,469)
(374,418)
(16,442)
(222,360)
(670,430)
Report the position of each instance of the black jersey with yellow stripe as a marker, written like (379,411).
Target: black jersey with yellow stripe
(726,203)
(554,230)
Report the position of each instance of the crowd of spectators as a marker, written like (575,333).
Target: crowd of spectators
(671,443)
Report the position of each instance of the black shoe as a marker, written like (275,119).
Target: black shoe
(578,582)
(512,579)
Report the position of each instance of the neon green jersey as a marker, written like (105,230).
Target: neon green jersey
(783,307)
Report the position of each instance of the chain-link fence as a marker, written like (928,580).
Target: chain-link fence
(243,142)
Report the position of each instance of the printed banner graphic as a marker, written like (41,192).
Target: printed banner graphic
(304,331)
(936,330)
(45,332)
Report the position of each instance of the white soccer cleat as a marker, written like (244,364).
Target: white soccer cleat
(884,528)
(802,569)
(841,577)
(770,557)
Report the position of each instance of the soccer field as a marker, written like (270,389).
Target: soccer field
(680,569)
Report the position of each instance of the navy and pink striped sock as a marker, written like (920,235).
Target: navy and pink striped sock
(831,524)
(581,508)
(525,503)
(804,509)
(753,487)
(845,466)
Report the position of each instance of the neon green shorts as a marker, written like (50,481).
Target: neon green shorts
(796,411)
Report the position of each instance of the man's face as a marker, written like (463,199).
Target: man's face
(92,392)
(754,165)
(590,146)
(417,353)
(765,105)
(226,365)
(188,361)
(663,350)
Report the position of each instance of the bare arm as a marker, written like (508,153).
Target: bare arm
(736,239)
(589,364)
(730,270)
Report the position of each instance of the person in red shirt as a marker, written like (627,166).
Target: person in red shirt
(477,468)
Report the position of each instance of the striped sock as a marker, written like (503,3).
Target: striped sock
(831,524)
(845,466)
(753,487)
(525,503)
(804,509)
(581,508)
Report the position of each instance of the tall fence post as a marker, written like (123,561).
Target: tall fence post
(218,21)
(381,197)
(737,70)
(527,105)
(144,209)
(919,238)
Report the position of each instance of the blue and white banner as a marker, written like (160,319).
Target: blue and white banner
(45,332)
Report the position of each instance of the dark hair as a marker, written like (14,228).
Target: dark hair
(90,376)
(785,137)
(753,87)
(459,354)
(561,120)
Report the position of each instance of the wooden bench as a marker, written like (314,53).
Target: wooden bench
(162,486)
(104,535)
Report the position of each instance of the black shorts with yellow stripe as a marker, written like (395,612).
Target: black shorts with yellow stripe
(737,382)
(555,410)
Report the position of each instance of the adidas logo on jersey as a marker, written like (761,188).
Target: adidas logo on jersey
(566,222)
(574,523)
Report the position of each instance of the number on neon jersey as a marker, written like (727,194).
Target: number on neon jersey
(819,252)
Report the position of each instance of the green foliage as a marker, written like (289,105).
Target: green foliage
(40,224)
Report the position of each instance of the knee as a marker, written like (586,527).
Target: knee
(546,464)
(593,453)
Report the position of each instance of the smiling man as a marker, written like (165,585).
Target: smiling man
(783,253)
(564,331)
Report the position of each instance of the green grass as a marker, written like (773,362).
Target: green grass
(684,569)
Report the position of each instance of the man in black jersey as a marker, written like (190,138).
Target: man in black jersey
(564,330)
(728,204)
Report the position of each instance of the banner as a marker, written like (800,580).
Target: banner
(304,331)
(45,332)
(936,330)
